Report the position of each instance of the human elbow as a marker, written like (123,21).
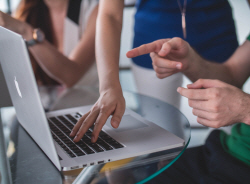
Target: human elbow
(114,18)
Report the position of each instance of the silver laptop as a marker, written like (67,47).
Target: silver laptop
(135,135)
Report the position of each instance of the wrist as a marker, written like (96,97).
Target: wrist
(194,63)
(110,86)
(246,109)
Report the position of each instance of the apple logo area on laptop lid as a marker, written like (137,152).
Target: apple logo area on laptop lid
(23,90)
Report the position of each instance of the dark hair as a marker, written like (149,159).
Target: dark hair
(36,13)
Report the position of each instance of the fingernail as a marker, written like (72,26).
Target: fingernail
(92,138)
(71,133)
(115,123)
(75,138)
(178,89)
(178,66)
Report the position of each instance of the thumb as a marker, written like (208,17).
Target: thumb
(117,116)
(173,44)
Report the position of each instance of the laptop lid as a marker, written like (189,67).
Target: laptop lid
(23,90)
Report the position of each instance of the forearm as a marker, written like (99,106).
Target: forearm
(108,36)
(59,67)
(199,68)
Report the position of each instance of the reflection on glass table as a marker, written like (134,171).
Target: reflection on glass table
(30,165)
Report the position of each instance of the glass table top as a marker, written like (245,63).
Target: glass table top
(28,164)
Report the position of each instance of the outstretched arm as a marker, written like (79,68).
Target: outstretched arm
(214,102)
(111,100)
(170,56)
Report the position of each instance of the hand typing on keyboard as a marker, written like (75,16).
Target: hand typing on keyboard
(61,127)
(109,103)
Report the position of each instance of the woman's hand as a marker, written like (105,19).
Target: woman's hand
(217,104)
(110,102)
(169,56)
(15,25)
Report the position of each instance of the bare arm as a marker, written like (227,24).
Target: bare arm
(111,100)
(108,35)
(234,71)
(68,70)
(65,70)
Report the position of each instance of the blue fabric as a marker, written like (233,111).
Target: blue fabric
(210,27)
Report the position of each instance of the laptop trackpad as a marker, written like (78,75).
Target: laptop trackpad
(128,123)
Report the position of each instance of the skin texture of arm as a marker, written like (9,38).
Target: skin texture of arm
(111,100)
(65,70)
(68,70)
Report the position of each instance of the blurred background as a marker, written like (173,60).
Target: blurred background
(241,14)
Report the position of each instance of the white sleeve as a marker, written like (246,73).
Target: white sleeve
(87,8)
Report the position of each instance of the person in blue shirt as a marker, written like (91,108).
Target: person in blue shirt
(210,30)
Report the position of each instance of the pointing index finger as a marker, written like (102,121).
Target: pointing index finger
(146,48)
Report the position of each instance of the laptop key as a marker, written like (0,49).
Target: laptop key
(71,118)
(105,136)
(103,144)
(72,155)
(102,133)
(80,154)
(116,145)
(98,149)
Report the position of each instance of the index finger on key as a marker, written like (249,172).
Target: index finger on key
(101,120)
(78,124)
(86,124)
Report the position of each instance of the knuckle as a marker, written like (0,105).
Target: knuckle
(215,108)
(191,95)
(144,48)
(158,44)
(200,80)
(178,40)
(97,123)
(199,120)
(80,121)
(215,117)
(216,93)
(156,62)
(156,69)
(84,124)
(160,76)
(95,108)
(194,112)
(103,109)
(190,103)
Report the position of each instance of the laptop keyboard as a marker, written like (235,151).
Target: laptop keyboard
(61,127)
